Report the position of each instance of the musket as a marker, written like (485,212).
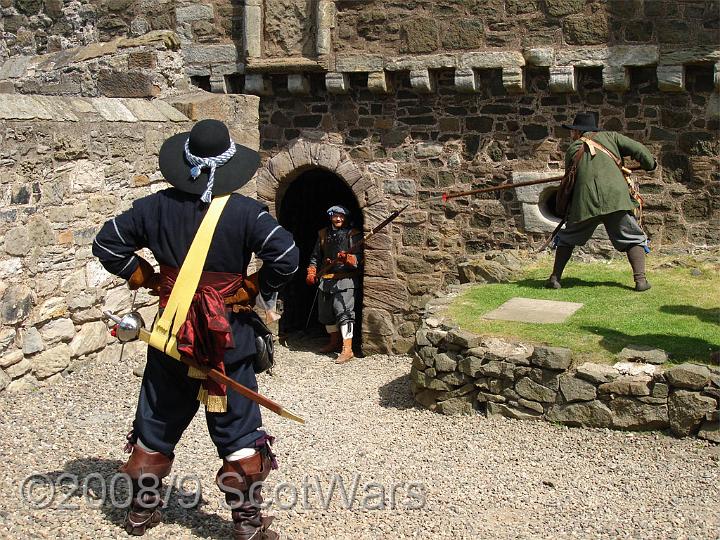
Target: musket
(130,327)
(384,223)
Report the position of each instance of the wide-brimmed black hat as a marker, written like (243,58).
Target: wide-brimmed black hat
(207,139)
(583,122)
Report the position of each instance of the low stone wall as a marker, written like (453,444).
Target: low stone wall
(457,372)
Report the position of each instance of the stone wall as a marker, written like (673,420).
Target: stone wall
(456,372)
(68,165)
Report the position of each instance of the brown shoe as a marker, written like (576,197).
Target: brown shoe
(347,353)
(333,345)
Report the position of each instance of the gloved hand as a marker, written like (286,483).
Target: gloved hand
(311,278)
(347,258)
(245,295)
(145,276)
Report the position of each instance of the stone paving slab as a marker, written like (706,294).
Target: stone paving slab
(533,311)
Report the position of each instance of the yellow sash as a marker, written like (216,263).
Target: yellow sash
(164,333)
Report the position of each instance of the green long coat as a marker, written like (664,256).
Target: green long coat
(600,187)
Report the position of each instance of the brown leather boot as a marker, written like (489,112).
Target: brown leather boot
(333,345)
(146,470)
(562,256)
(241,482)
(636,258)
(347,353)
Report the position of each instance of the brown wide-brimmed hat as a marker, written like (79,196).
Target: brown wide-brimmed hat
(583,122)
(207,139)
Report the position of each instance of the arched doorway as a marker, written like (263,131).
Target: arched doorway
(302,211)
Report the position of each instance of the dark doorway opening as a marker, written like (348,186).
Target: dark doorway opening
(302,211)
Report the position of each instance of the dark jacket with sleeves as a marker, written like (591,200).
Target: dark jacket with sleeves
(600,187)
(329,243)
(166,223)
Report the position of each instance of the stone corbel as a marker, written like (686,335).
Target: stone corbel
(379,82)
(513,79)
(616,78)
(257,85)
(671,78)
(467,80)
(540,57)
(337,83)
(716,76)
(422,81)
(252,28)
(563,79)
(298,84)
(217,84)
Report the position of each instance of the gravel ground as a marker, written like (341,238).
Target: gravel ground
(479,478)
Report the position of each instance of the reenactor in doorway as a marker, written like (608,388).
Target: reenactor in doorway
(340,260)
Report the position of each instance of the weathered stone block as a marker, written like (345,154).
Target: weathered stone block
(586,30)
(586,414)
(597,373)
(15,304)
(517,413)
(563,79)
(472,365)
(687,411)
(551,357)
(462,338)
(467,80)
(634,385)
(632,414)
(51,361)
(419,35)
(643,353)
(456,406)
(32,341)
(428,354)
(18,369)
(710,431)
(531,390)
(91,337)
(691,376)
(575,389)
(444,362)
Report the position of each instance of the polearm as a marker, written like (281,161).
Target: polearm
(211,373)
(384,223)
(447,196)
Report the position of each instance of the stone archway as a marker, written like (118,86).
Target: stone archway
(384,296)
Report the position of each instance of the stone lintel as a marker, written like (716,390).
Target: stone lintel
(325,20)
(217,84)
(492,59)
(414,63)
(257,84)
(466,80)
(252,28)
(282,65)
(379,82)
(616,78)
(423,81)
(541,57)
(692,55)
(227,69)
(513,79)
(671,78)
(563,79)
(640,55)
(359,63)
(337,83)
(298,84)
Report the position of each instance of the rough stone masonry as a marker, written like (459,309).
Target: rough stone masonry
(400,100)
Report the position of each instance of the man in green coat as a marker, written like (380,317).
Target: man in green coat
(601,195)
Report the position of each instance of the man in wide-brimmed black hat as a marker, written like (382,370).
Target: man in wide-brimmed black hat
(202,164)
(594,191)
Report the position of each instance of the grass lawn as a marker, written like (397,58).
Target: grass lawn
(680,314)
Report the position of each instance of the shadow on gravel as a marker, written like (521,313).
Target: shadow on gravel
(569,282)
(397,395)
(98,482)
